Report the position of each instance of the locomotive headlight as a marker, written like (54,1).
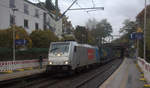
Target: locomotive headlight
(66,62)
(50,63)
(58,54)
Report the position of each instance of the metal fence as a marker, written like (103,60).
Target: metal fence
(145,67)
(6,66)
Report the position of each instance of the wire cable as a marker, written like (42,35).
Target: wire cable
(93,3)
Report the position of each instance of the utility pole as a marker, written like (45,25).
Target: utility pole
(145,30)
(57,10)
(13,25)
(137,49)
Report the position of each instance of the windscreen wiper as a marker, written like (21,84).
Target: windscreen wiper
(53,49)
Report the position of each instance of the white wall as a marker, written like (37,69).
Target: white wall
(5,13)
(20,16)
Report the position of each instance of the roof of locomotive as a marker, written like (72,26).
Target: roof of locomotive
(76,44)
(64,42)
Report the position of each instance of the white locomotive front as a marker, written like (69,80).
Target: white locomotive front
(59,56)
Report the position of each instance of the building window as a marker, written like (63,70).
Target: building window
(12,3)
(26,24)
(44,21)
(26,9)
(37,13)
(36,26)
(12,19)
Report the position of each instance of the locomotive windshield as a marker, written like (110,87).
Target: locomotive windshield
(59,47)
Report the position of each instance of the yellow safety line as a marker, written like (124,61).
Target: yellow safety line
(147,85)
(142,79)
(142,75)
(20,69)
(139,68)
(8,71)
(30,68)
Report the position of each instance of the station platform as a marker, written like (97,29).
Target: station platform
(126,76)
(20,73)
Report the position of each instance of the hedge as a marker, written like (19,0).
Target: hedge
(6,54)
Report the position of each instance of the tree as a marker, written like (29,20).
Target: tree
(6,37)
(81,34)
(68,38)
(91,24)
(49,5)
(91,40)
(42,39)
(128,27)
(103,29)
(6,42)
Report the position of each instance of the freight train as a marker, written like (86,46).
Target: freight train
(72,56)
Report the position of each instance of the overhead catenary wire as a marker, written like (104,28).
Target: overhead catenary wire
(81,7)
(44,7)
(102,8)
(78,4)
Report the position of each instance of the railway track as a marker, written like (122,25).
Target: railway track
(90,79)
(87,79)
(94,81)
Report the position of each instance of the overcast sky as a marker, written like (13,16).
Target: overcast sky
(115,11)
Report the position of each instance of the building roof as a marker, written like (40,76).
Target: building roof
(141,14)
(41,6)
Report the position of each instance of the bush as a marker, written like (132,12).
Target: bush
(39,39)
(42,39)
(6,54)
(68,38)
(6,37)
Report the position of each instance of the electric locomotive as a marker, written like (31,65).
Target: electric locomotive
(70,56)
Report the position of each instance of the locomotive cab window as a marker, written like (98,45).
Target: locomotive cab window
(60,47)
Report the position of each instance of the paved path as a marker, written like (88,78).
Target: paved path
(126,76)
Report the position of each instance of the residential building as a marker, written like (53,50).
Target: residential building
(67,27)
(140,16)
(29,16)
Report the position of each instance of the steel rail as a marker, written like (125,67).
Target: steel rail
(107,70)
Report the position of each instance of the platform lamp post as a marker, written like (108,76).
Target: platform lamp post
(137,49)
(13,25)
(145,29)
(137,40)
